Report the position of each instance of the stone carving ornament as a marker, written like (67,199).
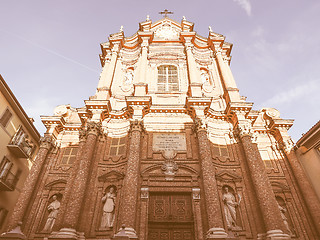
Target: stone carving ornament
(169,167)
(166,32)
(108,215)
(284,218)
(53,209)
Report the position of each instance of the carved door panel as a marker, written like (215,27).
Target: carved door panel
(166,231)
(170,217)
(170,208)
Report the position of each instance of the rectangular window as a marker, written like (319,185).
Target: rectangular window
(220,150)
(3,214)
(5,117)
(69,155)
(5,168)
(118,146)
(168,78)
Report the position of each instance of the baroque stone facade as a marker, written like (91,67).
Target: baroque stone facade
(167,149)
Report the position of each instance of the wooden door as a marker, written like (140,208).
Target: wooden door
(170,217)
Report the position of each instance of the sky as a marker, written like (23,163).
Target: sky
(49,49)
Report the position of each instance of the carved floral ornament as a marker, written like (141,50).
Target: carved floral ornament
(92,128)
(136,125)
(199,125)
(46,142)
(169,167)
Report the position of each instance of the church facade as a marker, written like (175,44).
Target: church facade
(166,149)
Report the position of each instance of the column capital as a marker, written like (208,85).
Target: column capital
(136,125)
(144,193)
(82,134)
(46,142)
(199,125)
(196,193)
(93,128)
(243,128)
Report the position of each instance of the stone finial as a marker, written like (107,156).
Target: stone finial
(148,18)
(210,29)
(121,29)
(184,18)
(47,142)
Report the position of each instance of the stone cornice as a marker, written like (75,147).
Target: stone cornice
(57,122)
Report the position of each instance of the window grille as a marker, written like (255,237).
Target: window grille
(117,146)
(168,78)
(69,155)
(220,150)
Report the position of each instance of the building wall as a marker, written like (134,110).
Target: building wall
(9,198)
(181,149)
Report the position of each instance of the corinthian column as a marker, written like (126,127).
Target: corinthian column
(30,183)
(213,207)
(68,190)
(104,85)
(308,193)
(130,184)
(74,204)
(268,205)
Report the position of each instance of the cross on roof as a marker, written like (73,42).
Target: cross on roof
(165,12)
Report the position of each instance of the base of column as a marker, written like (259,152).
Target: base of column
(67,234)
(126,233)
(14,234)
(216,233)
(273,235)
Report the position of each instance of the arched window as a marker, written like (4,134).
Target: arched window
(168,78)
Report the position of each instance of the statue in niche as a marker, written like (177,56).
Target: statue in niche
(230,205)
(53,209)
(109,200)
(284,218)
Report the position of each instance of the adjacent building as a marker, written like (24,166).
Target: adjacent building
(19,143)
(308,152)
(166,148)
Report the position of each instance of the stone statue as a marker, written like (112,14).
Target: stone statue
(108,209)
(284,218)
(53,209)
(230,205)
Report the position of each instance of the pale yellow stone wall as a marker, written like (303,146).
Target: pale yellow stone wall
(9,198)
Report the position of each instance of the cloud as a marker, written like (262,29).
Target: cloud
(245,4)
(288,96)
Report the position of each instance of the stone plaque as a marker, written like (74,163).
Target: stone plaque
(169,141)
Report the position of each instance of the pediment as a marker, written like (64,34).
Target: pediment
(166,29)
(112,176)
(226,176)
(56,183)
